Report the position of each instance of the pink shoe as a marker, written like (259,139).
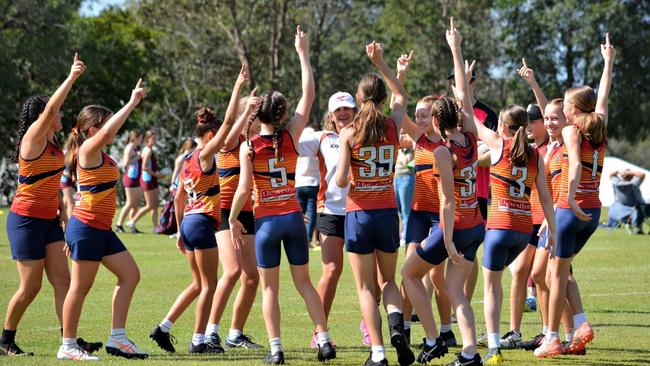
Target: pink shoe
(366,335)
(549,348)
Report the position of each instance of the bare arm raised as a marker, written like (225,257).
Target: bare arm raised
(301,116)
(609,53)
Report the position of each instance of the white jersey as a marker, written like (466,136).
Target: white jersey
(325,146)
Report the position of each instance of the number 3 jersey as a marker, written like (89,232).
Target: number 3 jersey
(592,159)
(373,167)
(511,187)
(274,178)
(202,187)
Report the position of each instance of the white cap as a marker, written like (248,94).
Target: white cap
(341,99)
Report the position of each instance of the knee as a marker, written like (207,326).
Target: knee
(250,280)
(232,275)
(131,279)
(539,277)
(332,272)
(60,282)
(30,290)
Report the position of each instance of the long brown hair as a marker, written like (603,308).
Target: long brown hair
(32,108)
(591,124)
(90,116)
(370,122)
(447,112)
(515,118)
(270,110)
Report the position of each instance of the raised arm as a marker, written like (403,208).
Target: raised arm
(528,75)
(609,53)
(462,87)
(301,117)
(241,195)
(399,99)
(233,109)
(408,126)
(36,134)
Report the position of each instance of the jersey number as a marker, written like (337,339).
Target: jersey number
(594,166)
(373,156)
(519,190)
(277,182)
(468,173)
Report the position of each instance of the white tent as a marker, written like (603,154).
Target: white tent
(606,188)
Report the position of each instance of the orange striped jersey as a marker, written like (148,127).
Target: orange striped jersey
(511,187)
(274,179)
(425,193)
(466,211)
(538,213)
(96,206)
(554,170)
(592,159)
(228,168)
(37,194)
(373,167)
(202,187)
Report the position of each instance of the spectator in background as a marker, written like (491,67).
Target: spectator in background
(404,183)
(307,183)
(628,201)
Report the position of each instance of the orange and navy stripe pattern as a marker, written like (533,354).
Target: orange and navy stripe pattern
(425,192)
(554,170)
(592,159)
(229,169)
(37,194)
(202,187)
(96,207)
(274,179)
(538,213)
(511,188)
(373,167)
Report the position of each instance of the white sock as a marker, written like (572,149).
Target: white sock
(396,310)
(569,335)
(544,329)
(429,342)
(578,320)
(444,328)
(198,339)
(466,356)
(69,342)
(407,324)
(166,325)
(276,345)
(130,223)
(493,340)
(212,328)
(234,334)
(552,335)
(323,337)
(118,333)
(378,353)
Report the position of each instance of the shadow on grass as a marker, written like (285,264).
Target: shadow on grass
(619,312)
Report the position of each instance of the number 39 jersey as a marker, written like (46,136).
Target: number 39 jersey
(372,169)
(511,188)
(274,179)
(592,159)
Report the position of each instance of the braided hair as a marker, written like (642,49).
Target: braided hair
(447,112)
(206,122)
(32,108)
(271,110)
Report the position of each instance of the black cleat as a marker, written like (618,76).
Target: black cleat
(274,358)
(449,338)
(533,343)
(326,352)
(119,229)
(89,347)
(12,349)
(396,327)
(462,361)
(415,318)
(407,334)
(428,353)
(164,340)
(205,348)
(370,362)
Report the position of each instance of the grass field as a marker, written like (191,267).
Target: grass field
(613,271)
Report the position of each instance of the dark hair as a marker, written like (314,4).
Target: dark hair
(271,109)
(133,135)
(32,108)
(591,124)
(370,122)
(206,122)
(90,116)
(187,145)
(447,112)
(515,118)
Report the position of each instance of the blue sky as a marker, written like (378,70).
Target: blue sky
(94,7)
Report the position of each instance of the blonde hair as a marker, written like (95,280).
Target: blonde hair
(515,118)
(328,122)
(591,124)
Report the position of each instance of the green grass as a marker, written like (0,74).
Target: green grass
(613,271)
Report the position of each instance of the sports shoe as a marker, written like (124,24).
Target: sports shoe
(549,348)
(415,318)
(124,347)
(530,306)
(119,229)
(133,229)
(493,357)
(577,350)
(482,340)
(164,340)
(449,338)
(370,362)
(428,353)
(583,335)
(326,352)
(243,341)
(89,347)
(462,361)
(366,335)
(12,349)
(511,340)
(274,358)
(396,330)
(75,353)
(407,334)
(214,338)
(533,343)
(205,348)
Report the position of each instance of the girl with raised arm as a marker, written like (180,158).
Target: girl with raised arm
(268,161)
(88,233)
(578,207)
(132,163)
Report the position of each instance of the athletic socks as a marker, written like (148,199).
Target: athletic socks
(407,324)
(430,342)
(276,345)
(118,333)
(444,328)
(8,336)
(198,339)
(234,334)
(166,325)
(578,320)
(466,356)
(212,328)
(69,343)
(569,335)
(544,329)
(552,335)
(493,340)
(395,311)
(378,353)
(323,337)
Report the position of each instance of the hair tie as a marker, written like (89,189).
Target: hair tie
(591,111)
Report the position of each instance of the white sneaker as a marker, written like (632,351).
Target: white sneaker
(124,347)
(75,353)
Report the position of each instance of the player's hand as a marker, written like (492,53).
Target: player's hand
(453,35)
(67,251)
(375,53)
(607,50)
(243,77)
(236,232)
(577,210)
(526,72)
(179,243)
(302,41)
(78,67)
(454,255)
(403,62)
(550,244)
(138,93)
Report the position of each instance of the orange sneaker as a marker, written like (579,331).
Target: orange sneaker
(549,348)
(570,348)
(583,335)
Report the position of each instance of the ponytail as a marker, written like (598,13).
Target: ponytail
(75,139)
(90,116)
(370,122)
(32,108)
(447,112)
(515,118)
(592,126)
(247,130)
(520,150)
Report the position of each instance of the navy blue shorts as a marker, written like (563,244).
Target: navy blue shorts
(367,231)
(467,242)
(272,231)
(572,233)
(28,236)
(501,247)
(534,236)
(420,225)
(197,232)
(331,225)
(541,244)
(90,244)
(246,218)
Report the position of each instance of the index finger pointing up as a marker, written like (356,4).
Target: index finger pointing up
(607,39)
(523,61)
(451,24)
(298,30)
(139,84)
(410,54)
